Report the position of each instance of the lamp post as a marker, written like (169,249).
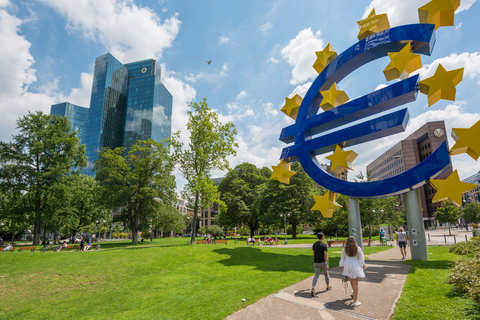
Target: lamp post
(378,218)
(285,218)
(99,223)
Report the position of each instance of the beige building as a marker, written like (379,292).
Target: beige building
(408,153)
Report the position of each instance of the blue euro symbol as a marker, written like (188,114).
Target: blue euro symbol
(306,133)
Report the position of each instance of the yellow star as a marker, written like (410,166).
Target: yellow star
(291,106)
(372,24)
(451,189)
(333,97)
(282,172)
(441,85)
(324,57)
(438,12)
(402,63)
(466,141)
(326,204)
(341,160)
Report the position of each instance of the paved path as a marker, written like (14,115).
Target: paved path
(378,292)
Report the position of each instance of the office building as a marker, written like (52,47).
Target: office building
(472,195)
(408,153)
(78,117)
(128,103)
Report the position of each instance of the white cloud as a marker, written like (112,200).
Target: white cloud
(270,110)
(264,28)
(273,60)
(214,76)
(223,40)
(80,96)
(459,26)
(16,75)
(190,78)
(465,5)
(241,95)
(301,90)
(125,29)
(182,94)
(300,54)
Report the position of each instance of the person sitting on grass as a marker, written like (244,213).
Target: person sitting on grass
(8,248)
(64,245)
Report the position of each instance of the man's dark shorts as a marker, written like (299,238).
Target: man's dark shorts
(402,244)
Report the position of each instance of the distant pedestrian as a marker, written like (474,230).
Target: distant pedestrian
(353,265)
(151,237)
(82,243)
(402,239)
(320,262)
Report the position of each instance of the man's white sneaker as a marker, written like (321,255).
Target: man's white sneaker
(356,304)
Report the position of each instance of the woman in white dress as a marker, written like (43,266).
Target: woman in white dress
(353,265)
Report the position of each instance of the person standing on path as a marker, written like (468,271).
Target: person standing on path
(320,262)
(353,265)
(402,242)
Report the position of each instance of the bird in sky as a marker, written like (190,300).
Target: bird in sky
(209,61)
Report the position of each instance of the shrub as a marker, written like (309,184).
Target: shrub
(265,230)
(470,247)
(202,230)
(466,276)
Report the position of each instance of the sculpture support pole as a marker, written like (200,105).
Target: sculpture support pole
(354,222)
(416,230)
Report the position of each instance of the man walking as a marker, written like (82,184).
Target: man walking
(320,262)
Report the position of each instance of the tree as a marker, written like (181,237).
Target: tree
(295,198)
(447,213)
(241,190)
(471,212)
(36,159)
(167,219)
(211,142)
(78,203)
(138,181)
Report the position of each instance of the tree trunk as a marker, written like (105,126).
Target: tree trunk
(370,230)
(194,219)
(449,229)
(294,231)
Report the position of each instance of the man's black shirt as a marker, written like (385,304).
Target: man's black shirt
(319,249)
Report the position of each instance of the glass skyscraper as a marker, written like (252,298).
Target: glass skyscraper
(128,103)
(78,117)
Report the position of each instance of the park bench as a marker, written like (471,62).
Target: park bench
(11,250)
(221,241)
(332,242)
(342,242)
(367,241)
(26,248)
(201,241)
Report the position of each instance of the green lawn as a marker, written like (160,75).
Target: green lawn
(427,293)
(163,279)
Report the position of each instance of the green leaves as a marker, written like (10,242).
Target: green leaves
(140,182)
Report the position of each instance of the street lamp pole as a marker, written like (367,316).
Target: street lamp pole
(99,223)
(285,218)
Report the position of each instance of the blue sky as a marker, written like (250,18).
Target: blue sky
(261,52)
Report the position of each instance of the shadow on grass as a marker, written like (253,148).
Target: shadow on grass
(269,261)
(437,264)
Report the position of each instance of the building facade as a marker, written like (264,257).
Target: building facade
(472,195)
(408,153)
(128,103)
(78,117)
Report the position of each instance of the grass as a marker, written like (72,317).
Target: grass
(427,293)
(163,279)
